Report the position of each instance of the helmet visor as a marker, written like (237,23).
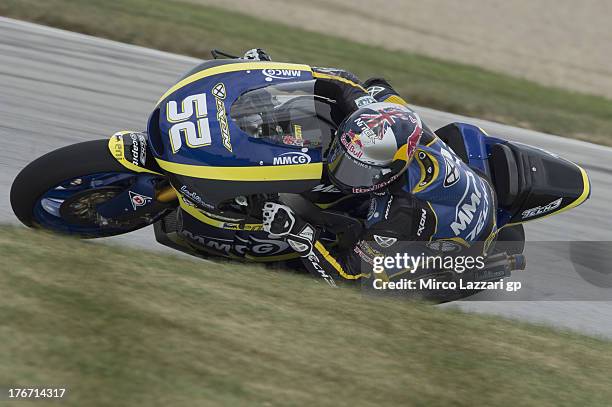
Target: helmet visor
(354,176)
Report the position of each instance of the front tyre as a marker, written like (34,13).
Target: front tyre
(61,190)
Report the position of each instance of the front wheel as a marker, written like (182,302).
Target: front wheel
(61,191)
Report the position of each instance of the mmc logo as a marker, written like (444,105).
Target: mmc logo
(473,205)
(291,158)
(281,74)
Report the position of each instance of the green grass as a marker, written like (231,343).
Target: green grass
(123,327)
(194,29)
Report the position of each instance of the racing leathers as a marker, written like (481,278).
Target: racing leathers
(440,206)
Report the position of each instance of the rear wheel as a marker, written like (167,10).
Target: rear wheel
(61,190)
(511,239)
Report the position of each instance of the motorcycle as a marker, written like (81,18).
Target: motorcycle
(231,132)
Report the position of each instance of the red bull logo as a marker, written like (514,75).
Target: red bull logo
(352,143)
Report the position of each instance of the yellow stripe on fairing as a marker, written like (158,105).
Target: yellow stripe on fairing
(278,257)
(297,172)
(217,70)
(321,75)
(221,224)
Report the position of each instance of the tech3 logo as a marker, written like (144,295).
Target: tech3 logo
(540,210)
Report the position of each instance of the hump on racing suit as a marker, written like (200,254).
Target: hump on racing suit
(440,206)
(461,200)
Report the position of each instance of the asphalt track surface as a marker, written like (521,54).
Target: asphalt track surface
(59,88)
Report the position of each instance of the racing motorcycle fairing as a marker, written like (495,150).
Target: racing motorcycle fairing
(213,131)
(185,232)
(545,183)
(530,183)
(132,150)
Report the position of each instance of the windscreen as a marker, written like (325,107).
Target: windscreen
(287,114)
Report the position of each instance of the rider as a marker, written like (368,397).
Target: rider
(423,197)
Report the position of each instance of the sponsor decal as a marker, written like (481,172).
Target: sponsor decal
(388,206)
(118,147)
(540,210)
(372,210)
(314,261)
(297,130)
(281,74)
(143,149)
(352,143)
(325,188)
(385,118)
(385,241)
(294,139)
(451,164)
(135,149)
(220,245)
(263,247)
(375,90)
(474,202)
(291,140)
(377,186)
(193,196)
(364,101)
(366,252)
(359,252)
(366,131)
(422,221)
(413,139)
(139,149)
(138,199)
(290,158)
(267,246)
(219,93)
(238,226)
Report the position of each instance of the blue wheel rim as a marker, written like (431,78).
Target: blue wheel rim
(47,207)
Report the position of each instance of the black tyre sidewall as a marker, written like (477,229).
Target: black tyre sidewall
(56,167)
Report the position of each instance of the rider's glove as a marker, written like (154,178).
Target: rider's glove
(257,54)
(280,221)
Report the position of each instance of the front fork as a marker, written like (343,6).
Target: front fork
(142,198)
(150,193)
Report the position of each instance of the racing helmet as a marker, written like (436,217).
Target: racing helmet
(373,147)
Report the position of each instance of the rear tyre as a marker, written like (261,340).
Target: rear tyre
(511,240)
